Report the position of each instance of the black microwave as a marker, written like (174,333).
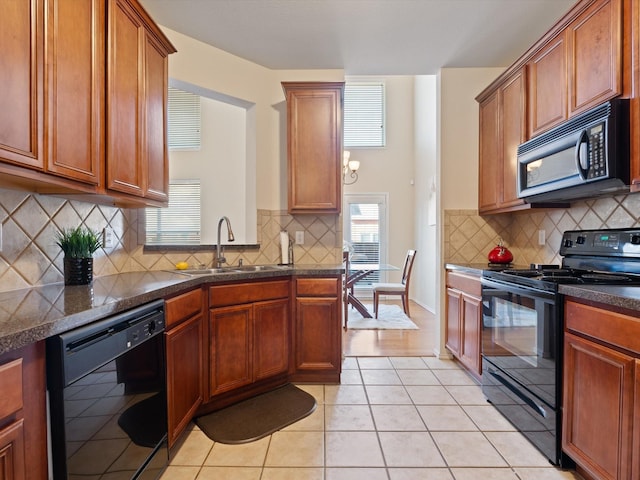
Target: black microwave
(586,156)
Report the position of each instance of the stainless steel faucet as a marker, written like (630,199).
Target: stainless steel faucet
(219,254)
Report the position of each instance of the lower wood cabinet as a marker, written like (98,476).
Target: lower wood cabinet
(23,421)
(185,337)
(317,330)
(601,402)
(248,334)
(464,320)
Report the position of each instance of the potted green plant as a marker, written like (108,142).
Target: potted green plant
(78,244)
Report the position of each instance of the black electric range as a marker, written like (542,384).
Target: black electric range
(523,325)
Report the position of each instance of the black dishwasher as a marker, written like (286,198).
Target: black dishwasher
(107,397)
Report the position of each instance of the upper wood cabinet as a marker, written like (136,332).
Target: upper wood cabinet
(582,61)
(58,57)
(548,86)
(502,129)
(314,146)
(579,68)
(75,85)
(137,51)
(21,77)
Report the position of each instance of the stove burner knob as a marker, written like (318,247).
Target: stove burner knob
(568,243)
(580,240)
(635,239)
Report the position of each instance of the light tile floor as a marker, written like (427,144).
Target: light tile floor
(391,418)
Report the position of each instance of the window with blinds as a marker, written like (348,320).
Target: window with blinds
(364,115)
(179,224)
(184,120)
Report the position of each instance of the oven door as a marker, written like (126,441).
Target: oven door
(521,334)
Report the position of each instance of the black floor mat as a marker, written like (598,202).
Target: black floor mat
(257,417)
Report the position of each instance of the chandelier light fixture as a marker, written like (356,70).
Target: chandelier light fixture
(349,169)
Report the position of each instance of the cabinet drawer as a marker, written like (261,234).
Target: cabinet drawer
(613,328)
(317,287)
(239,293)
(182,307)
(11,387)
(468,284)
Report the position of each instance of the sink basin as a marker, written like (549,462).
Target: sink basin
(204,271)
(230,269)
(255,268)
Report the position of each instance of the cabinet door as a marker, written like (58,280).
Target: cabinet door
(598,397)
(636,424)
(470,323)
(490,165)
(453,334)
(314,151)
(12,454)
(155,154)
(230,340)
(548,86)
(270,338)
(124,163)
(21,77)
(75,88)
(514,132)
(594,46)
(635,100)
(317,335)
(184,346)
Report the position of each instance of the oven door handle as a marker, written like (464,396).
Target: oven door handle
(514,289)
(516,391)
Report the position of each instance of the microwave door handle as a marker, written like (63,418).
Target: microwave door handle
(582,155)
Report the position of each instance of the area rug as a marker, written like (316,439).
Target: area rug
(257,417)
(389,317)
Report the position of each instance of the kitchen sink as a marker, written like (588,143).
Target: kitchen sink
(230,269)
(256,268)
(205,271)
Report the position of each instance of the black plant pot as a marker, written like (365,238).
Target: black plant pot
(78,271)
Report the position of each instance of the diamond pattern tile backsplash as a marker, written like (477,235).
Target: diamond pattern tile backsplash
(468,237)
(30,256)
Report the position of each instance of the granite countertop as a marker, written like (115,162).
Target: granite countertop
(616,295)
(33,314)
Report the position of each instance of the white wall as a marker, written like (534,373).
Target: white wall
(221,168)
(458,133)
(426,181)
(457,138)
(390,169)
(199,64)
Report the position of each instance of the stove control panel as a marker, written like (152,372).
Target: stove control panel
(607,243)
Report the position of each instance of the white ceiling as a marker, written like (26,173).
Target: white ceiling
(365,37)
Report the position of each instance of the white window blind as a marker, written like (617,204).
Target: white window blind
(364,115)
(184,120)
(179,223)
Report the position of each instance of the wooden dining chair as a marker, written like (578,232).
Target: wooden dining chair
(401,289)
